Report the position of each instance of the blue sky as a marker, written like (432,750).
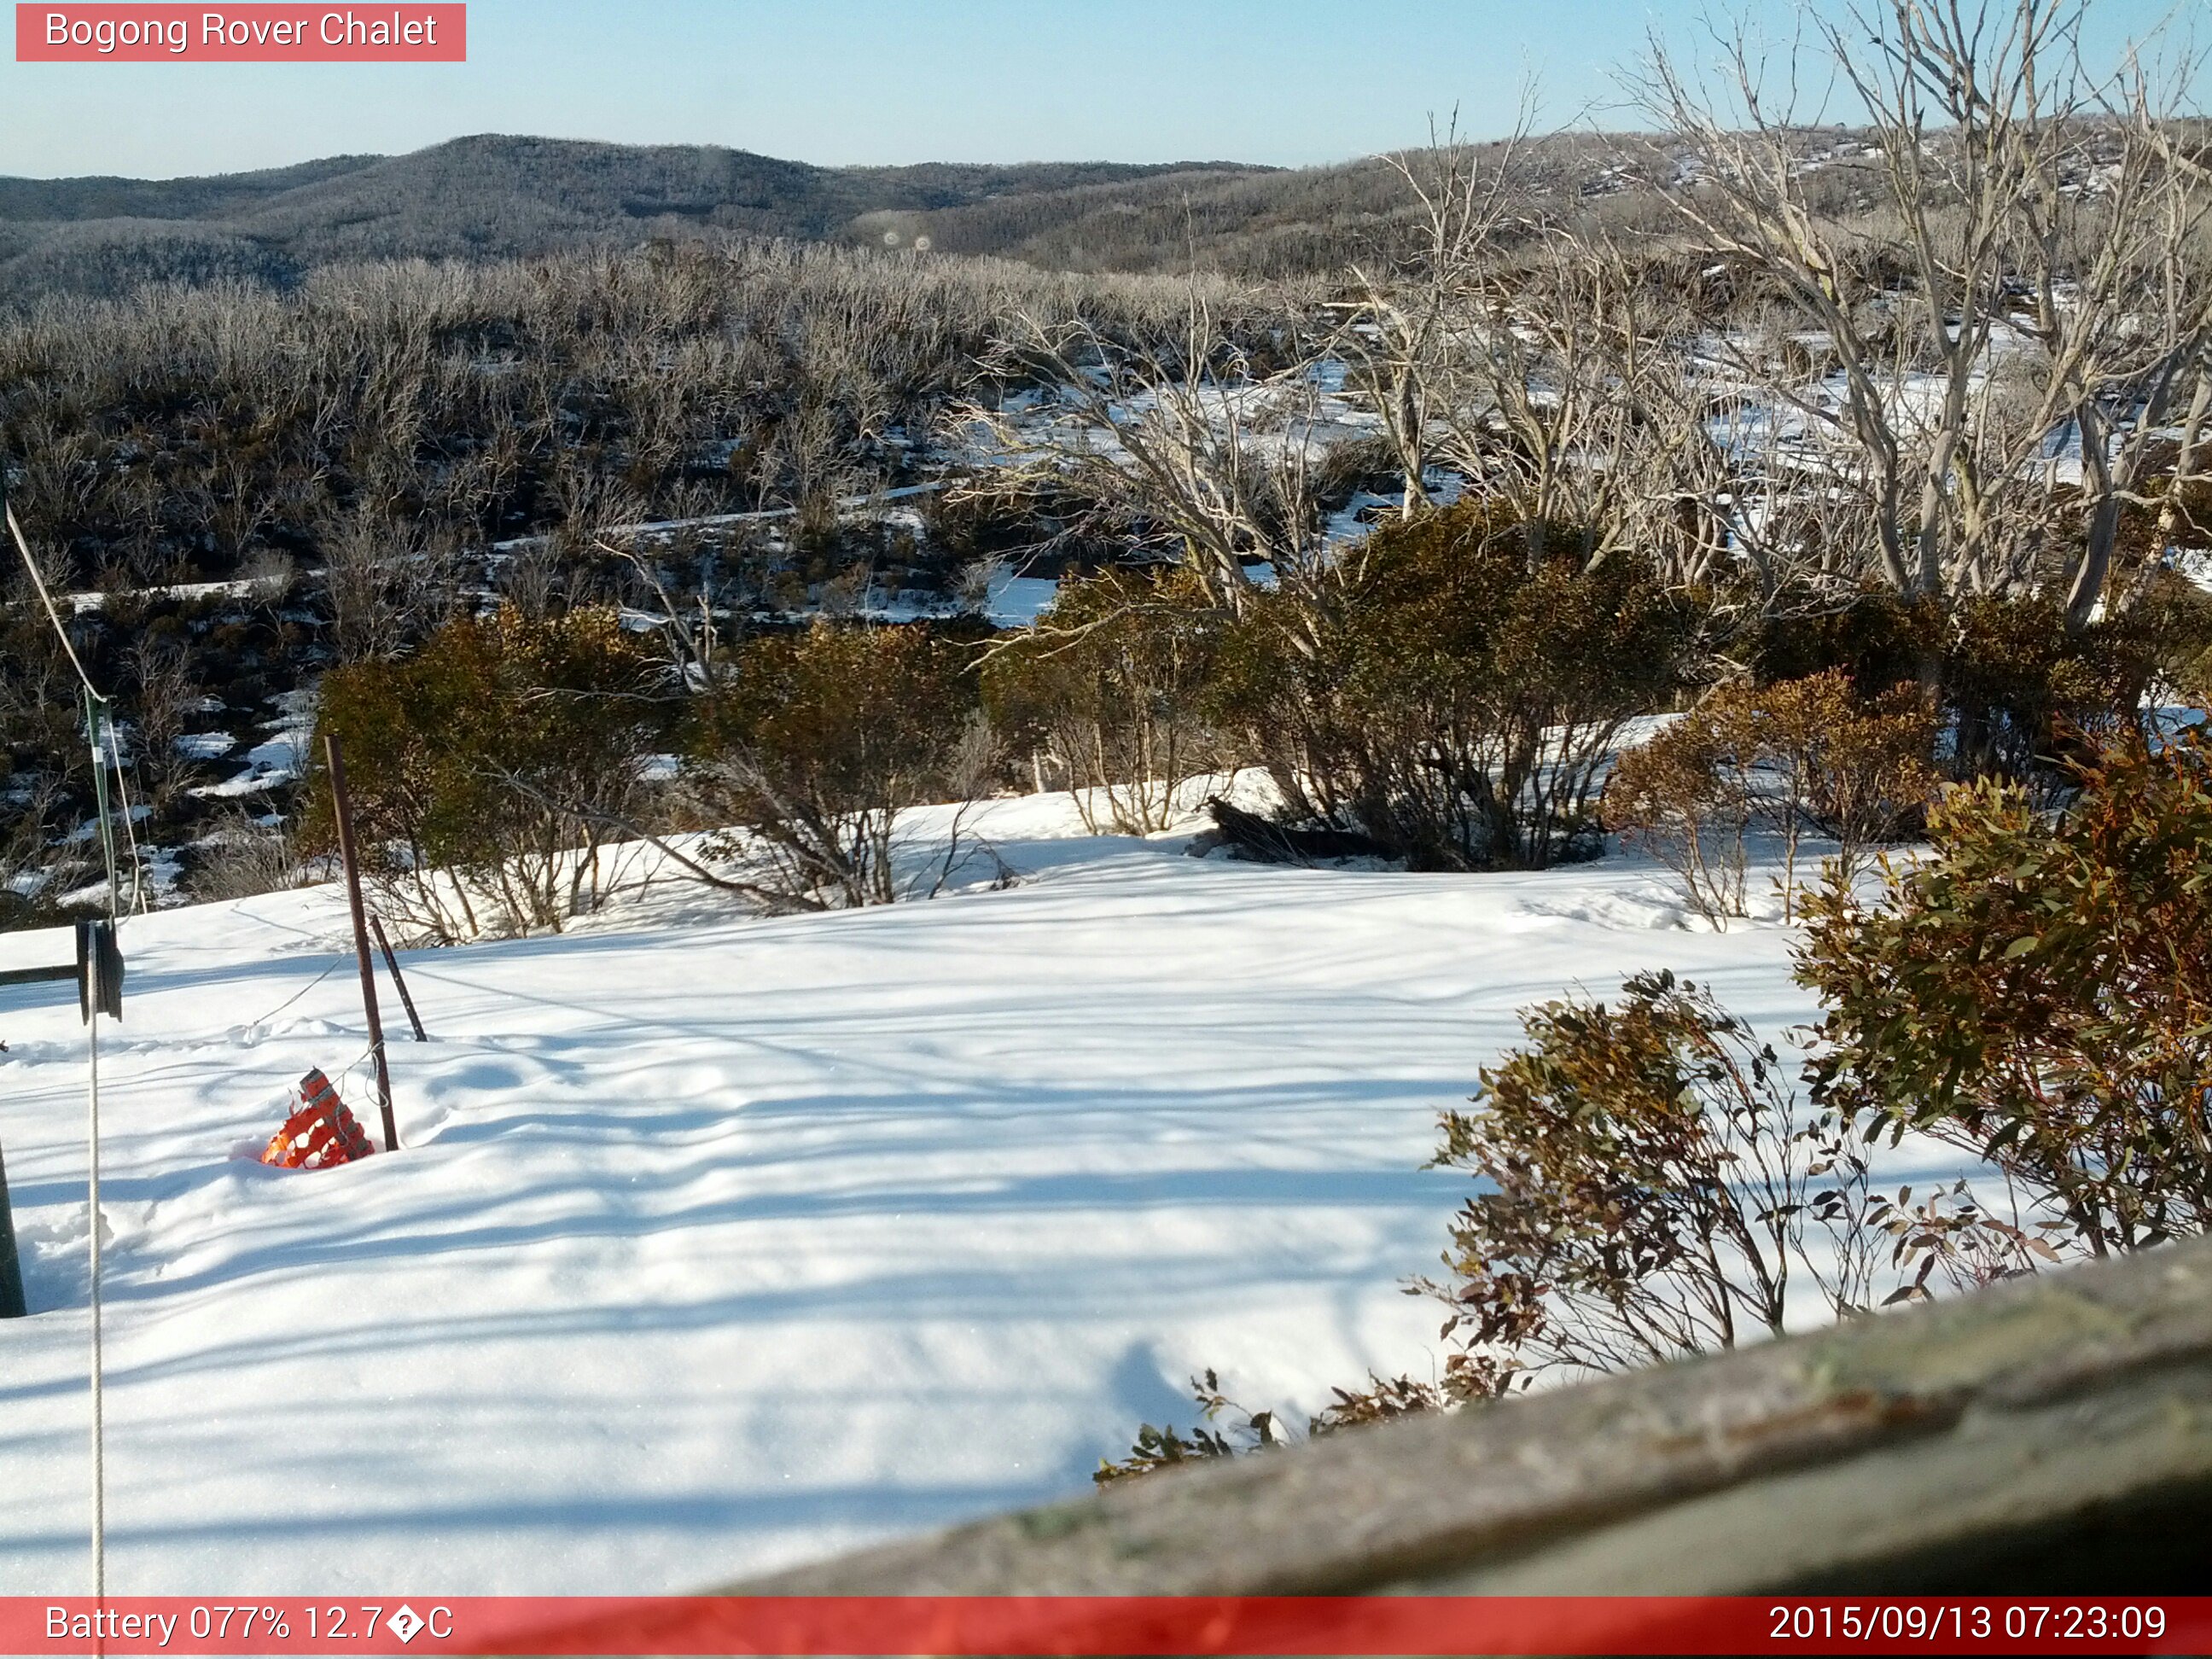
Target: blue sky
(835,82)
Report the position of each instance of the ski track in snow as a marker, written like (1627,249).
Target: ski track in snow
(718,1247)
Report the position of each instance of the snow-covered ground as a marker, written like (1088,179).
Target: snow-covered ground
(718,1244)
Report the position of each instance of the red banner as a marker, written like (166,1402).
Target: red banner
(259,33)
(1100,1625)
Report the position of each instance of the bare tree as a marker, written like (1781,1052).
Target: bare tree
(1571,400)
(1407,317)
(388,582)
(1194,443)
(165,695)
(2034,284)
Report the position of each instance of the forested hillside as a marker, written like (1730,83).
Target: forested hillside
(489,196)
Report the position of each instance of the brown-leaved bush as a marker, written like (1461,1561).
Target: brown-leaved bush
(1165,1447)
(1649,1189)
(2037,993)
(1798,756)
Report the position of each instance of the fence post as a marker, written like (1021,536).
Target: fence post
(12,1305)
(376,924)
(343,809)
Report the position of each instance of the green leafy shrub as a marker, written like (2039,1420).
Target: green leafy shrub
(1858,770)
(2014,687)
(1457,699)
(490,770)
(1109,686)
(820,739)
(2175,617)
(1877,637)
(2037,993)
(2020,689)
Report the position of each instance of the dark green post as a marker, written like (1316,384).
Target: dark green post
(101,732)
(11,1272)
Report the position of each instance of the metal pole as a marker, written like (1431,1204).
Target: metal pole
(376,924)
(343,810)
(99,1364)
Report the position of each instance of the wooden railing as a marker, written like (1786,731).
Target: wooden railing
(2043,1436)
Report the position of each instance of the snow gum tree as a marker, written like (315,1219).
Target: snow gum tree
(2004,344)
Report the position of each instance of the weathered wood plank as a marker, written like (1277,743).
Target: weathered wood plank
(2042,1427)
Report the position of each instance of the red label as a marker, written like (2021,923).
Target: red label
(135,34)
(1093,1627)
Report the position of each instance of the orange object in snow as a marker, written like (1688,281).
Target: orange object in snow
(320,1134)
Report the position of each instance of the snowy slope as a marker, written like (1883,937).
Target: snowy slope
(721,1245)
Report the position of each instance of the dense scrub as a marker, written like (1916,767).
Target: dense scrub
(501,198)
(388,447)
(195,434)
(1707,453)
(1456,698)
(488,197)
(2015,688)
(182,673)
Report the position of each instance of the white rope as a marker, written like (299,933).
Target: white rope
(336,964)
(99,1426)
(39,582)
(105,749)
(131,834)
(357,1062)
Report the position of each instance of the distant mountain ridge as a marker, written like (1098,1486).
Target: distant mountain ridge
(495,197)
(491,195)
(104,197)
